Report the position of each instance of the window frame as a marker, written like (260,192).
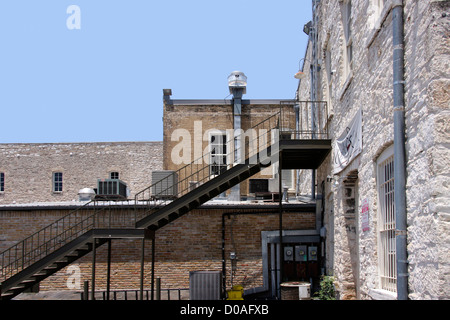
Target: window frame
(348,38)
(57,184)
(386,221)
(212,149)
(114,175)
(2,182)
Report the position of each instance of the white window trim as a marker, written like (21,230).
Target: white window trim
(348,39)
(216,132)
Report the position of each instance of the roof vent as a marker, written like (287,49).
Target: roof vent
(237,79)
(86,194)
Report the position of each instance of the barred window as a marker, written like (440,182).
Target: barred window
(57,182)
(386,221)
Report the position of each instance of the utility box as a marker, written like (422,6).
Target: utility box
(164,184)
(301,254)
(111,189)
(312,253)
(205,285)
(288,254)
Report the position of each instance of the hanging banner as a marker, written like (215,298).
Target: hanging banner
(349,144)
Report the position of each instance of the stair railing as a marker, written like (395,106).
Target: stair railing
(212,163)
(93,214)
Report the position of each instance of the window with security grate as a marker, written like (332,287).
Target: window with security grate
(386,221)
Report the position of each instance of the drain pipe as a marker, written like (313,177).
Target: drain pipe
(399,151)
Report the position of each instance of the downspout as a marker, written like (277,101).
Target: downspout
(399,152)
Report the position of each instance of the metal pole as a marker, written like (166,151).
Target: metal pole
(93,269)
(280,255)
(108,270)
(399,152)
(158,288)
(86,290)
(142,270)
(153,268)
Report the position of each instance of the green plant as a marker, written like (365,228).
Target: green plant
(326,291)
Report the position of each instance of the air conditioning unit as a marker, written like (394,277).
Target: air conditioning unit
(164,184)
(205,285)
(111,189)
(258,185)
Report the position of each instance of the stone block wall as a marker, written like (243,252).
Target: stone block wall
(369,87)
(28,168)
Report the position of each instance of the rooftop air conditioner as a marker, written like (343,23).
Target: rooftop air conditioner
(164,184)
(111,189)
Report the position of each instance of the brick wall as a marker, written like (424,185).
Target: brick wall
(207,116)
(192,242)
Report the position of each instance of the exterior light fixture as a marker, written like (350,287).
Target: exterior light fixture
(307,28)
(300,75)
(334,180)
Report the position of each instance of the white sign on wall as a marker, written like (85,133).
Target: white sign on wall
(365,215)
(349,144)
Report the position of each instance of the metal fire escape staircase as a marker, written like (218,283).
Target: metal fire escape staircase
(54,247)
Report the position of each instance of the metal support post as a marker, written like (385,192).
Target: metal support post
(108,270)
(93,269)
(142,270)
(153,268)
(280,199)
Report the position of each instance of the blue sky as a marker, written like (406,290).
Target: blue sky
(104,81)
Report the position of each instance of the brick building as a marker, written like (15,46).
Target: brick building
(239,237)
(340,208)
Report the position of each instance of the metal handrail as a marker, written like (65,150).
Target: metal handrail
(52,237)
(310,123)
(199,173)
(72,225)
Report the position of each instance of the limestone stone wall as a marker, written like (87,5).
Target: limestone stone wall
(352,254)
(28,168)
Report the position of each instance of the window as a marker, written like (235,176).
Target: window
(348,52)
(329,79)
(57,182)
(386,221)
(2,181)
(218,155)
(114,175)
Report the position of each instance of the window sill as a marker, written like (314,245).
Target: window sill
(380,294)
(389,5)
